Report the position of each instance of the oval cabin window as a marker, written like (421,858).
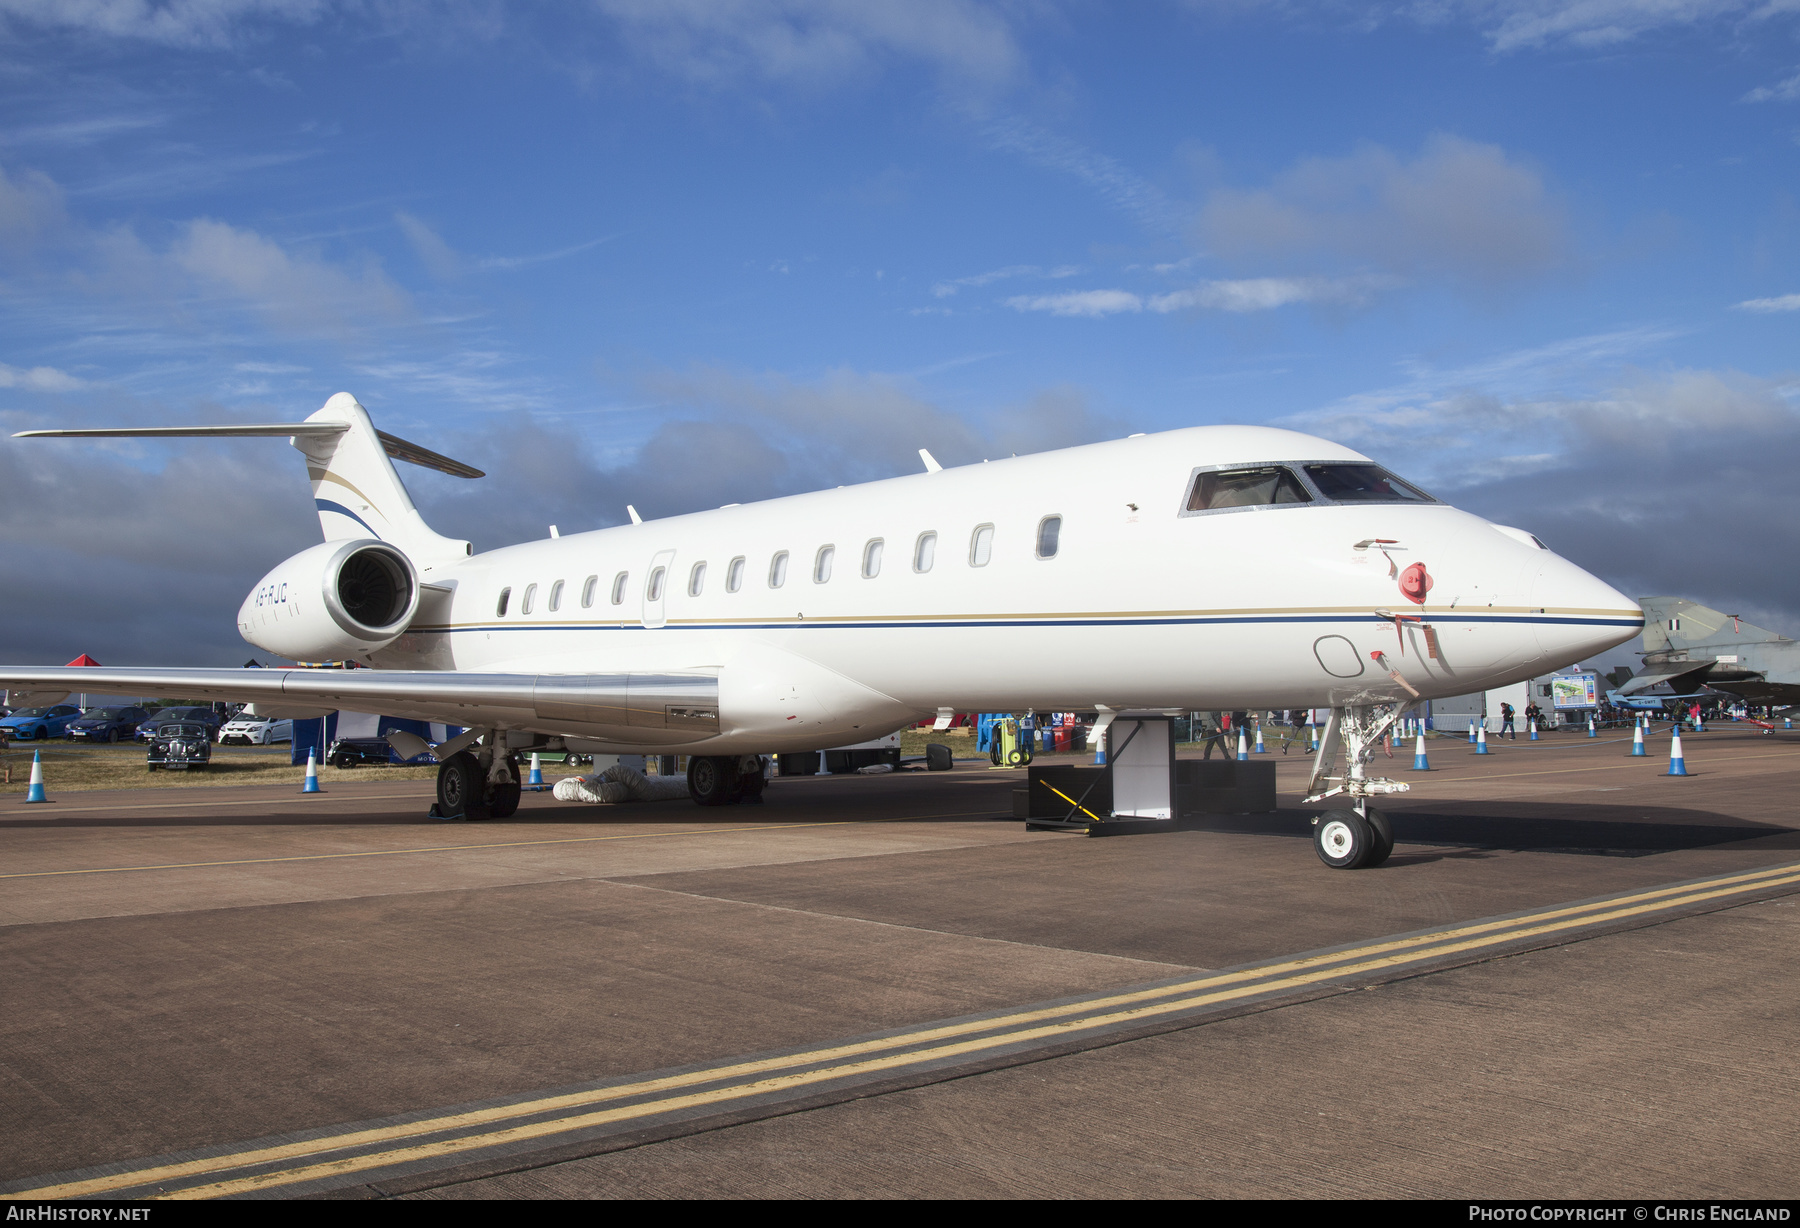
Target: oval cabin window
(525,602)
(924,551)
(654,591)
(734,575)
(556,596)
(872,559)
(822,564)
(587,591)
(981,546)
(500,605)
(696,579)
(618,588)
(1049,530)
(778,569)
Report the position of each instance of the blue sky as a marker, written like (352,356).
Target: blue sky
(1538,254)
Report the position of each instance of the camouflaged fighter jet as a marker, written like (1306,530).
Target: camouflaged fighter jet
(1689,646)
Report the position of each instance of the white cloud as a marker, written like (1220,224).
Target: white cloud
(1116,184)
(815,42)
(1515,24)
(31,207)
(1079,302)
(944,289)
(1239,296)
(520,262)
(302,293)
(1459,209)
(39,379)
(439,259)
(1783,91)
(1785,302)
(176,23)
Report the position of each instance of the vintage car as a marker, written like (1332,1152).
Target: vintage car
(255,731)
(358,752)
(148,729)
(180,746)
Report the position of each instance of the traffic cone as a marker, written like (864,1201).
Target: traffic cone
(36,792)
(1533,724)
(1677,765)
(1420,763)
(535,783)
(1260,749)
(1243,751)
(1592,732)
(1312,733)
(1637,740)
(1471,733)
(312,772)
(1787,722)
(1481,741)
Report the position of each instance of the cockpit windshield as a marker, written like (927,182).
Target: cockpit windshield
(1260,487)
(1363,484)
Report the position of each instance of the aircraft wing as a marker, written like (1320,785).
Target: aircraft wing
(648,709)
(1689,672)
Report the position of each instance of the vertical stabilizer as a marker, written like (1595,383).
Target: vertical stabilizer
(357,492)
(1672,623)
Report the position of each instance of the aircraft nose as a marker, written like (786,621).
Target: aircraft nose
(1577,614)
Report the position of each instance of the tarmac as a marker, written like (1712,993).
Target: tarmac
(1575,978)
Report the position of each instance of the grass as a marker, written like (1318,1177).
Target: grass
(70,765)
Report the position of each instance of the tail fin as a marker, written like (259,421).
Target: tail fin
(357,492)
(1672,623)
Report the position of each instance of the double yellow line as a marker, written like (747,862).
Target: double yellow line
(411,1143)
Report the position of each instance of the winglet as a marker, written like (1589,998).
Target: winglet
(931,464)
(632,512)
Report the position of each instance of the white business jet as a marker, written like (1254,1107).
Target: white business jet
(1221,567)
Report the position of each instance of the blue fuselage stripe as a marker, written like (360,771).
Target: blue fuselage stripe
(922,624)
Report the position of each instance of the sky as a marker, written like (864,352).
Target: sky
(1540,256)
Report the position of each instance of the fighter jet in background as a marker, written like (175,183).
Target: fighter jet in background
(1690,646)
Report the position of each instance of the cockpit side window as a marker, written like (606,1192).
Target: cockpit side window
(1262,486)
(1363,484)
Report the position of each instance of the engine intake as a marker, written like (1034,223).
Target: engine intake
(335,601)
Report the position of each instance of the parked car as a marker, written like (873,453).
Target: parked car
(255,731)
(105,724)
(147,731)
(30,724)
(356,752)
(180,746)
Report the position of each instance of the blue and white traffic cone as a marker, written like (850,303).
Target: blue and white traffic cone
(535,782)
(1533,724)
(1471,733)
(1592,732)
(36,792)
(1312,734)
(1243,749)
(1677,765)
(1260,748)
(312,773)
(1481,741)
(1787,722)
(1637,741)
(1420,763)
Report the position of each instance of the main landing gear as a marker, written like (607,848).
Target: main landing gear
(725,780)
(1360,837)
(478,784)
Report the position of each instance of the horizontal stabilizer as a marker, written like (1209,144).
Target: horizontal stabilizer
(393,445)
(1670,674)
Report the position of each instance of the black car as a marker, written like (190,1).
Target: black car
(356,752)
(147,730)
(105,724)
(180,746)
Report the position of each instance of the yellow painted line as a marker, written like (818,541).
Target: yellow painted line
(1118,1007)
(460,848)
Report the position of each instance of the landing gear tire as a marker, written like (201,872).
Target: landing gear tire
(1343,839)
(713,780)
(503,801)
(750,780)
(1383,831)
(462,788)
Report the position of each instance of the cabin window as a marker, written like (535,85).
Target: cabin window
(924,551)
(1363,484)
(872,559)
(981,545)
(822,564)
(654,591)
(1049,530)
(734,575)
(696,579)
(556,596)
(1263,486)
(778,569)
(525,602)
(587,591)
(500,605)
(618,588)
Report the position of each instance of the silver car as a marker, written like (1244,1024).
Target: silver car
(255,731)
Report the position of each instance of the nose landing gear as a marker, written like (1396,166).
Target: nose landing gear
(1361,837)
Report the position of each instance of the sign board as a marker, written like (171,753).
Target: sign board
(1575,691)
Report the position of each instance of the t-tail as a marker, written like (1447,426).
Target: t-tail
(355,488)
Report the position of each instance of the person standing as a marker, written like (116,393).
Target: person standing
(1506,722)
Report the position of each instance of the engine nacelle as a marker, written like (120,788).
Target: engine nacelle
(336,601)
